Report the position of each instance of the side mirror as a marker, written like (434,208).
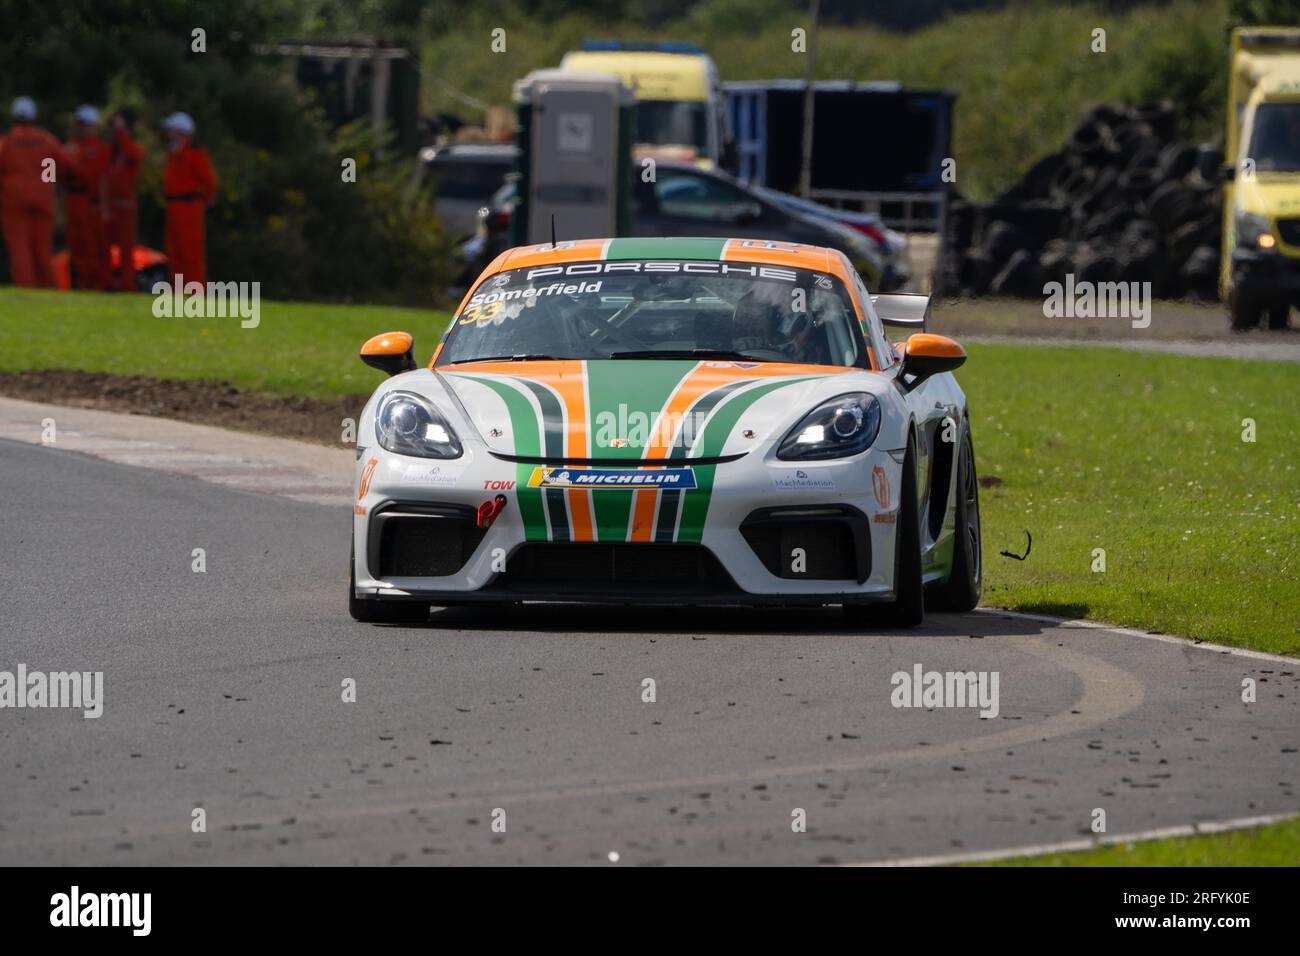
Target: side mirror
(390,352)
(1209,163)
(927,354)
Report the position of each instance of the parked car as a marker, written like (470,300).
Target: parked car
(686,200)
(466,175)
(892,244)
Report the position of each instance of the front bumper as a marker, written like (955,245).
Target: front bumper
(762,532)
(1266,275)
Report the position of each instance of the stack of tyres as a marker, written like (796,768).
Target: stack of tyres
(1121,201)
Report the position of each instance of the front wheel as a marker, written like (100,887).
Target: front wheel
(908,606)
(1243,311)
(961,592)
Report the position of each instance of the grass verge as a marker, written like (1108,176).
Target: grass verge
(1139,455)
(296,349)
(1276,844)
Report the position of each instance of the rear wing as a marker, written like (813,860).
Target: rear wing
(904,310)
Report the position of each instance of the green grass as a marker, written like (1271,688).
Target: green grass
(297,348)
(1275,845)
(1138,454)
(1142,455)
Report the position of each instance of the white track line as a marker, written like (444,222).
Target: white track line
(1241,350)
(1086,843)
(1135,632)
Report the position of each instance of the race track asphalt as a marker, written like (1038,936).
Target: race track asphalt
(223,692)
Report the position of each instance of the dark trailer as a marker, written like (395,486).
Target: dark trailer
(874,143)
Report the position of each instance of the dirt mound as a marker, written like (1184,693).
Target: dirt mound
(206,403)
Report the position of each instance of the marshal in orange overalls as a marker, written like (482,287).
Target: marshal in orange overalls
(123,208)
(27,201)
(189,184)
(86,208)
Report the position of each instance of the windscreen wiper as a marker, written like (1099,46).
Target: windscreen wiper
(522,357)
(688,353)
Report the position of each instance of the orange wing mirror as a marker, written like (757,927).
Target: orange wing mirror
(390,352)
(928,354)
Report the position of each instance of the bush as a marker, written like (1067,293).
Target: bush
(284,216)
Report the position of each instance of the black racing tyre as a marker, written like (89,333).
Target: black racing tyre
(1172,204)
(1002,238)
(961,592)
(1092,142)
(1177,160)
(1054,265)
(908,606)
(1069,181)
(1243,311)
(1096,267)
(1142,229)
(1140,262)
(372,611)
(1278,315)
(1108,223)
(977,271)
(1161,117)
(1019,277)
(961,224)
(1132,139)
(1200,273)
(1037,181)
(1146,161)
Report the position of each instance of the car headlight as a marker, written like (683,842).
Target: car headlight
(1254,231)
(843,426)
(409,425)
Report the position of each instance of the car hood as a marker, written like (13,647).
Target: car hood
(1273,195)
(623,410)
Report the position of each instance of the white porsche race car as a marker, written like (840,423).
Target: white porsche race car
(635,421)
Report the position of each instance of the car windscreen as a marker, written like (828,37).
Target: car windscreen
(658,309)
(468,178)
(672,123)
(1275,140)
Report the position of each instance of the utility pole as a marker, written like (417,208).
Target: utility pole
(805,167)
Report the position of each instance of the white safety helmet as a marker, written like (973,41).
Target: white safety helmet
(23,109)
(181,123)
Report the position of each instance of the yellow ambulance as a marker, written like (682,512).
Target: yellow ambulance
(680,105)
(1260,266)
